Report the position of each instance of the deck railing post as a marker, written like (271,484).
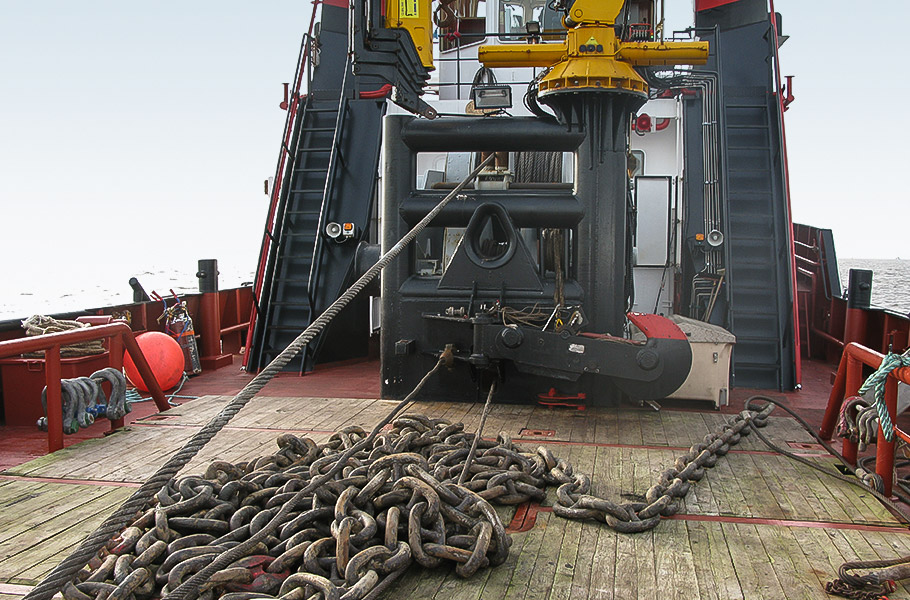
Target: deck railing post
(835,400)
(212,355)
(853,379)
(115,349)
(54,404)
(884,450)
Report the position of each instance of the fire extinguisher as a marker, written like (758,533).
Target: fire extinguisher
(179,325)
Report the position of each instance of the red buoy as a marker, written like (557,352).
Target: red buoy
(164,356)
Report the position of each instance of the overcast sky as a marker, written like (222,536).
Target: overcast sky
(138,134)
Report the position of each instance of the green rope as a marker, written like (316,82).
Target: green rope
(876,382)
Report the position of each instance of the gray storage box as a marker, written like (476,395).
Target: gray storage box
(709,378)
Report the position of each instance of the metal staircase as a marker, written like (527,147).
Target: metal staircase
(758,242)
(331,143)
(758,236)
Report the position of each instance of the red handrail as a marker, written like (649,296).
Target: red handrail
(791,240)
(121,337)
(303,64)
(846,384)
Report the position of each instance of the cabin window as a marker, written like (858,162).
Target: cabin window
(514,15)
(471,26)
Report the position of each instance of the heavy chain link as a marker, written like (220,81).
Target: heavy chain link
(394,502)
(574,502)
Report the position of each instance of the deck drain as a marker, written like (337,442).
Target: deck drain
(806,446)
(537,432)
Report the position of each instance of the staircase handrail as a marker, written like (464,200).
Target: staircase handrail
(303,73)
(328,191)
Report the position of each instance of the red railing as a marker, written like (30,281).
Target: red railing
(846,384)
(120,335)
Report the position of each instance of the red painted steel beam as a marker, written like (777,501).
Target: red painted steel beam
(701,5)
(847,382)
(884,450)
(210,321)
(121,330)
(835,400)
(54,401)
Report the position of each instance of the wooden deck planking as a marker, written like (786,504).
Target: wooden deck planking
(557,558)
(712,563)
(41,529)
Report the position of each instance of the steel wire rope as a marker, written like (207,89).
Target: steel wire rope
(190,588)
(64,572)
(473,450)
(851,480)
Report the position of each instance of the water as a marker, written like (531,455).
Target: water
(890,281)
(49,295)
(31,293)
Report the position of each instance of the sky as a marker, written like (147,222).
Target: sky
(137,135)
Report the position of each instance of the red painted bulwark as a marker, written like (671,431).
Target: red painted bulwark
(701,5)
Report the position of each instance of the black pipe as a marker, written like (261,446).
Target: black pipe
(139,294)
(500,134)
(525,210)
(365,257)
(208,275)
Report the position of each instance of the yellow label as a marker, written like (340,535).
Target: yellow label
(409,9)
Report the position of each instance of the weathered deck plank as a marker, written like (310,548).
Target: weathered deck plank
(624,450)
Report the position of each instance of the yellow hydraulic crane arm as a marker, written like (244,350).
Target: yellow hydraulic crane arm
(416,17)
(593,58)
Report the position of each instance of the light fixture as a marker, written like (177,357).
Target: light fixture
(488,97)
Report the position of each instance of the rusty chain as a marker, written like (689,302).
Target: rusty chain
(392,502)
(574,502)
(873,585)
(64,572)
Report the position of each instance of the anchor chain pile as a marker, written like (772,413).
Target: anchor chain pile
(394,502)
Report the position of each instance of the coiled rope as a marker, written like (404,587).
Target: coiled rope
(127,512)
(876,382)
(42,325)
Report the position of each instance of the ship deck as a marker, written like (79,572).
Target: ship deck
(759,525)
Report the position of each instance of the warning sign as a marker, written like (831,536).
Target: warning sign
(409,9)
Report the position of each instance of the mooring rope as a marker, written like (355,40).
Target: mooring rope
(876,382)
(126,513)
